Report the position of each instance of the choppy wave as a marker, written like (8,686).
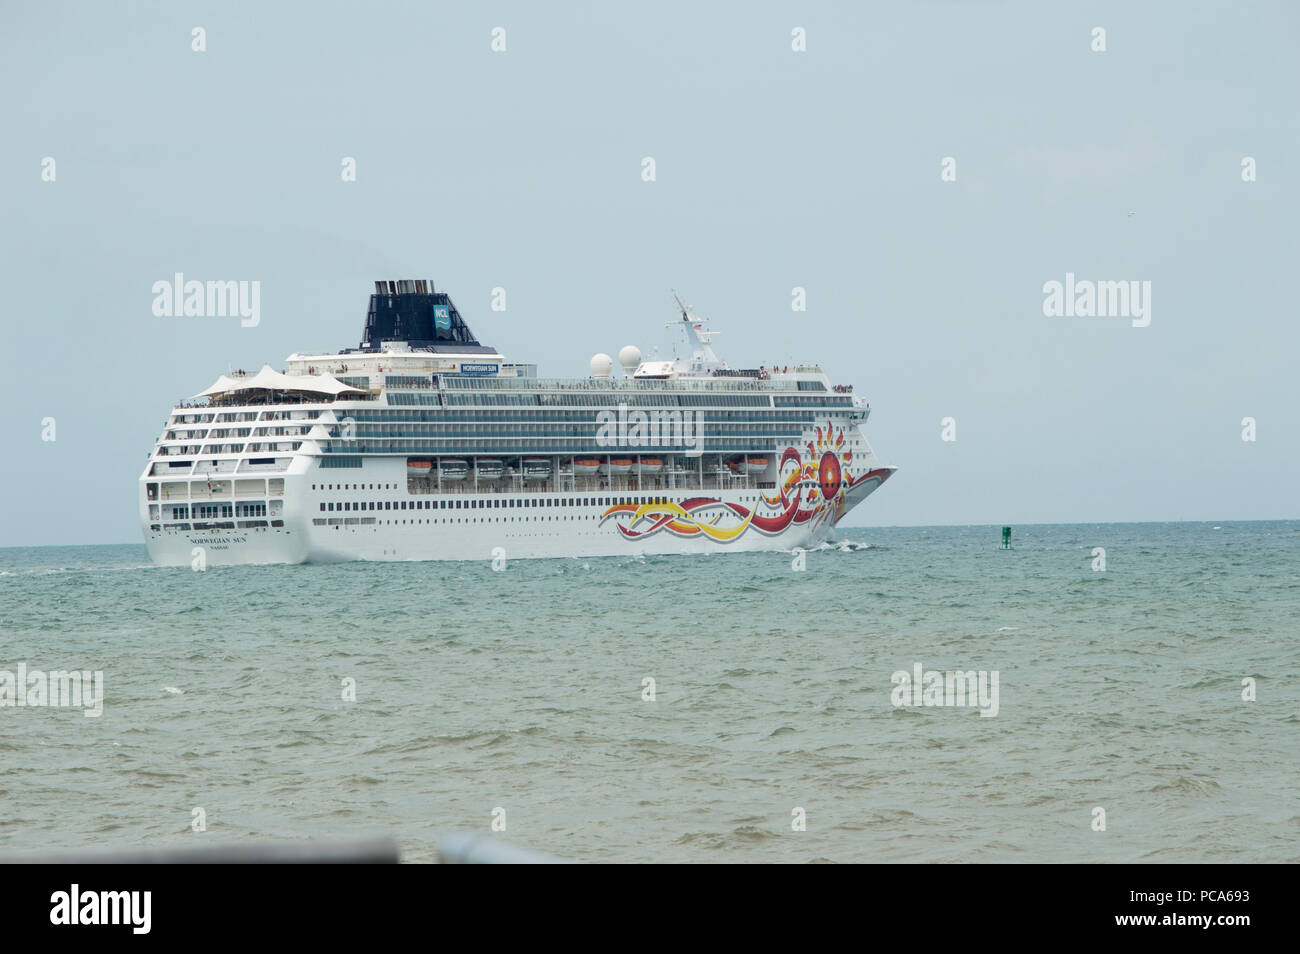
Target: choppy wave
(668,709)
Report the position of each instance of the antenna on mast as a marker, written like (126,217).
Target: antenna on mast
(698,339)
(686,312)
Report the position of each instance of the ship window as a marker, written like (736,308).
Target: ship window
(331,507)
(322,506)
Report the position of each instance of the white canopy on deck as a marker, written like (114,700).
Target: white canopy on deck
(269,379)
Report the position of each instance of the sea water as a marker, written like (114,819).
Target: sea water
(732,707)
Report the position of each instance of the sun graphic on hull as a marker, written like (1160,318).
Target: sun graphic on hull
(821,476)
(828,475)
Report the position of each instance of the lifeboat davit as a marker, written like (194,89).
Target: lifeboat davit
(419,468)
(536,468)
(450,468)
(585,466)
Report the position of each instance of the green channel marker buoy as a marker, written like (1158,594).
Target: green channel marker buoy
(1006,538)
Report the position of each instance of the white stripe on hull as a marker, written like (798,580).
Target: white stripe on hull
(306,521)
(535,533)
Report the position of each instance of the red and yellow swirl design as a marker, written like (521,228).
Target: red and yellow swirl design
(811,490)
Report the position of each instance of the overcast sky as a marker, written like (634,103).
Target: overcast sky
(774,169)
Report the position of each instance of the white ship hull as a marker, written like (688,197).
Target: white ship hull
(585,528)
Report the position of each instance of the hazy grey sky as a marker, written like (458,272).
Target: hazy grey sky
(775,169)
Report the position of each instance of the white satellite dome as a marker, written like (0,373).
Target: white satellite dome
(629,357)
(601,365)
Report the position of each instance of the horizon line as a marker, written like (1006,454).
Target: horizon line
(893,526)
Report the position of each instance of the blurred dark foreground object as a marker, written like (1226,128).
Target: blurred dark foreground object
(458,849)
(368,852)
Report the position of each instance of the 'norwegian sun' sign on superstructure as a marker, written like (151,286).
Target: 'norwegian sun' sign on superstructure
(423,444)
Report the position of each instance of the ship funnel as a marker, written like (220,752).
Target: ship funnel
(410,311)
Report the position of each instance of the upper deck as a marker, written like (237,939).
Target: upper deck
(421,383)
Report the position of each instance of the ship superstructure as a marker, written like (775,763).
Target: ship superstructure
(424,444)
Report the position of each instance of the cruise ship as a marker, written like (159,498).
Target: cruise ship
(424,444)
